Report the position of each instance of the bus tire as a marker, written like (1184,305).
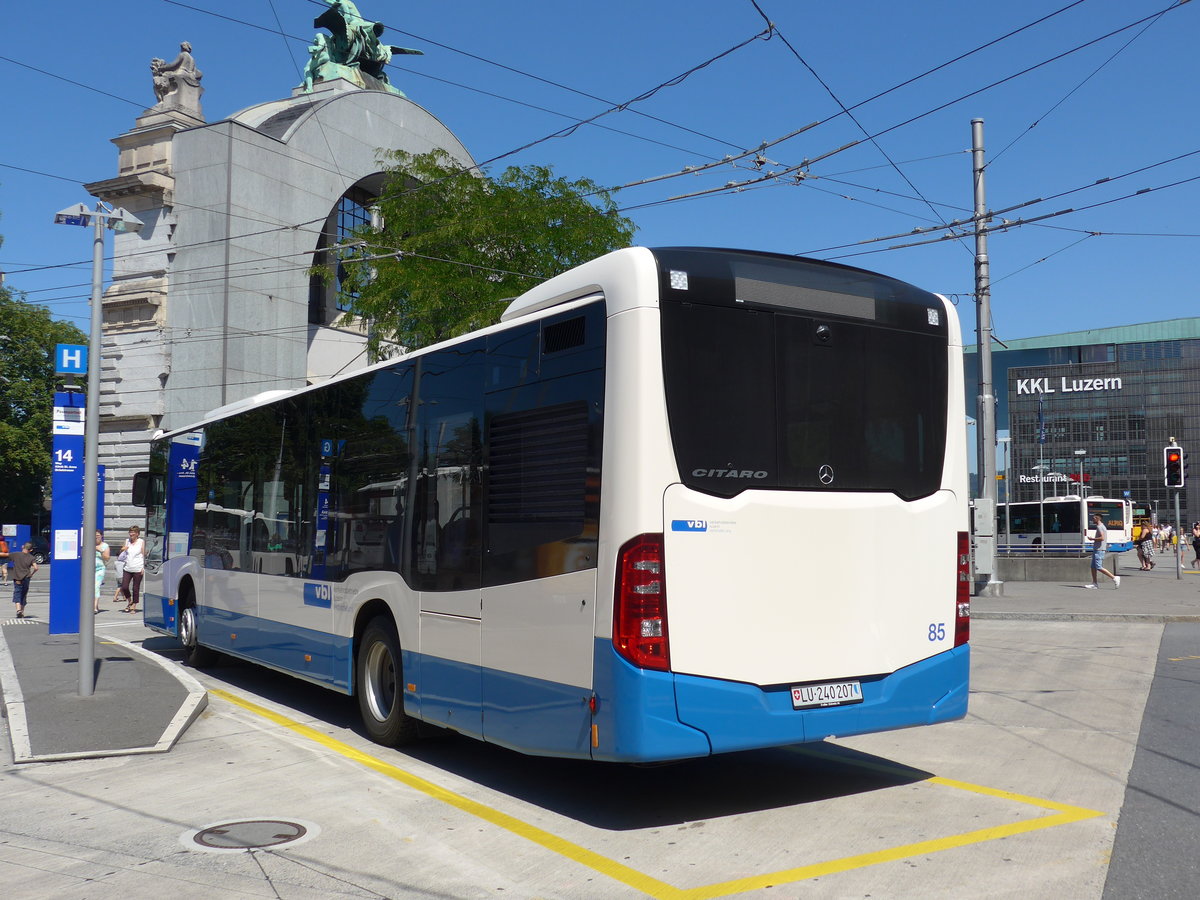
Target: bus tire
(379,680)
(194,654)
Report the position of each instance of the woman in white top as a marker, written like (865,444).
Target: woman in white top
(101,565)
(134,552)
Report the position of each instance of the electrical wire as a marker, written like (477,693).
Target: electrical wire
(1008,226)
(993,213)
(80,84)
(468,54)
(853,118)
(1070,93)
(722,161)
(1075,243)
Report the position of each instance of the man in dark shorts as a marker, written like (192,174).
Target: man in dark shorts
(23,568)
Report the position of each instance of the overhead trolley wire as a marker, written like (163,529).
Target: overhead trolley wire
(753,182)
(846,110)
(808,162)
(1017,223)
(988,87)
(1070,93)
(958,223)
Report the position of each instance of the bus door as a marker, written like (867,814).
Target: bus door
(447,559)
(445,536)
(229,602)
(169,530)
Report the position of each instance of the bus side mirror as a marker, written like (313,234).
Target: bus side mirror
(141,489)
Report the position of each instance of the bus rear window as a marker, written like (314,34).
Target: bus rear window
(784,400)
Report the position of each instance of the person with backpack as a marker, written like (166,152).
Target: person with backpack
(23,569)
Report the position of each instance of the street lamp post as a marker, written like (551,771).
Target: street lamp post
(117,220)
(1007,442)
(1081,454)
(1041,469)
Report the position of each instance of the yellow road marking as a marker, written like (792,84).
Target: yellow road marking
(1181,658)
(660,890)
(601,864)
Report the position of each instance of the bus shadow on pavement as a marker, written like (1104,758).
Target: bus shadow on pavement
(611,796)
(622,797)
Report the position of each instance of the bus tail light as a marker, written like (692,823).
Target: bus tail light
(640,611)
(962,599)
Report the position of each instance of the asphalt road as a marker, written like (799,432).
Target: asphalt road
(1156,856)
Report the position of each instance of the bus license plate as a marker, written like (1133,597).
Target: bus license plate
(831,693)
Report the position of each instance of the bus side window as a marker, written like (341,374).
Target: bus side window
(543,455)
(448,494)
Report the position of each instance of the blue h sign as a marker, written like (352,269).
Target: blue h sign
(70,359)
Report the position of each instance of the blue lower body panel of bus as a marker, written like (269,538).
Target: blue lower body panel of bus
(639,715)
(643,715)
(313,655)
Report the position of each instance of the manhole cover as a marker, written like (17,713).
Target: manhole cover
(248,834)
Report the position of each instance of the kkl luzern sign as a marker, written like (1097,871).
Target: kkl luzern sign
(1067,385)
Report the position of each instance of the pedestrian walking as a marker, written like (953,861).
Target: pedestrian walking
(102,555)
(134,552)
(23,569)
(1145,548)
(3,560)
(1099,547)
(1195,544)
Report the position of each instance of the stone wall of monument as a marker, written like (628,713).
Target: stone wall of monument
(209,302)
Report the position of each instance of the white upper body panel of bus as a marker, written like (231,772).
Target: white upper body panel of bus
(625,274)
(622,276)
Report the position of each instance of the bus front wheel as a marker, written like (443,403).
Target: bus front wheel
(194,655)
(380,677)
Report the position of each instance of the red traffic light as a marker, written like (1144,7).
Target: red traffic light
(1174,469)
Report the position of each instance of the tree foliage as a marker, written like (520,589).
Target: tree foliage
(469,242)
(28,336)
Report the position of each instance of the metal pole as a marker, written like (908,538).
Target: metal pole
(91,453)
(1042,500)
(986,400)
(1008,499)
(1177,533)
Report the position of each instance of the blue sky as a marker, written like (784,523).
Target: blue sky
(1122,106)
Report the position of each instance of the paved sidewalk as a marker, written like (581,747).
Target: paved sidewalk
(141,703)
(1154,596)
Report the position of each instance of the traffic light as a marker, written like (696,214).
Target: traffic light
(1173,469)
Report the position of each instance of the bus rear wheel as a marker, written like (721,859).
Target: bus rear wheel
(380,680)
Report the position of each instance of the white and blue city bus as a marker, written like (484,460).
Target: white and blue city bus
(664,509)
(1065,525)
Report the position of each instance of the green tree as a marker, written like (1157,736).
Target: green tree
(469,242)
(28,335)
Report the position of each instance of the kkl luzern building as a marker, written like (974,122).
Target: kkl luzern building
(1117,394)
(214,301)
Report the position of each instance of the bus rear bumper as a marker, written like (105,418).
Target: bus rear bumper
(738,716)
(644,716)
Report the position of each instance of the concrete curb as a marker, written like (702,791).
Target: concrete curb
(1086,617)
(14,704)
(18,726)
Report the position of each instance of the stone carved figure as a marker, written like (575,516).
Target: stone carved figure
(177,83)
(353,48)
(162,86)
